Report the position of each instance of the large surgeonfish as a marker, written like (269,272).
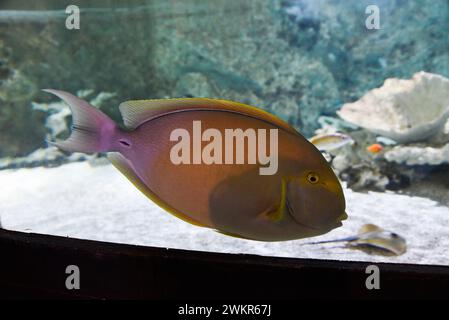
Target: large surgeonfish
(300,197)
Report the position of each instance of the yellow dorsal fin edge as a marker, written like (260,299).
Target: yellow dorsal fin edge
(136,112)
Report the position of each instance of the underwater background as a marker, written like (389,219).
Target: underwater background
(303,60)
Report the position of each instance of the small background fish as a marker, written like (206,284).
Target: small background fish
(331,141)
(373,240)
(375,148)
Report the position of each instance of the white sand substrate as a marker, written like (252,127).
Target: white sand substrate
(96,202)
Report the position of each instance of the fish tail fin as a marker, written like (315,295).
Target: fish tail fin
(92,130)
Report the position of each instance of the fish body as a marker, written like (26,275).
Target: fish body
(331,141)
(372,236)
(302,198)
(375,148)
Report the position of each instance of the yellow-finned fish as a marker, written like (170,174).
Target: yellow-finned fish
(331,141)
(372,236)
(301,196)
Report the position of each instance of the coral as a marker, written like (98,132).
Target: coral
(56,122)
(403,110)
(418,155)
(360,59)
(360,169)
(45,157)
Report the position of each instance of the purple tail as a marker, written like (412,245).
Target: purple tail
(92,130)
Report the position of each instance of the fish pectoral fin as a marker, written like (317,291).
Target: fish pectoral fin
(122,164)
(272,214)
(276,212)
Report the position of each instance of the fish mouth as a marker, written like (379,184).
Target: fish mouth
(290,213)
(339,222)
(342,217)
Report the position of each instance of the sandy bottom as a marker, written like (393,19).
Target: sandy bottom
(81,201)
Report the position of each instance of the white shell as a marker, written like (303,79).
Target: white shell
(403,110)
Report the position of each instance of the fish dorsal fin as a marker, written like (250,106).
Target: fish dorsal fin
(366,228)
(136,112)
(257,113)
(125,168)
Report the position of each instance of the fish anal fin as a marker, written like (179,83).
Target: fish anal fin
(122,164)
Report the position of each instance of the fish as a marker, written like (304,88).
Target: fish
(375,148)
(331,141)
(372,236)
(303,198)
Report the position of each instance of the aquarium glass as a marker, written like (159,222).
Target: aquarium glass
(368,77)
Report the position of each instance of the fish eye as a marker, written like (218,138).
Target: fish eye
(313,177)
(395,235)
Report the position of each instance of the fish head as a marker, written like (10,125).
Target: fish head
(315,200)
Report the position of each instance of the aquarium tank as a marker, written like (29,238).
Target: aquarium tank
(362,85)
